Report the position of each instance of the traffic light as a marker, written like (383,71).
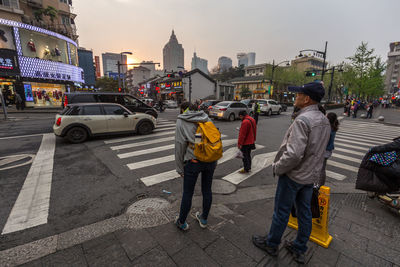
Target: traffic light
(311,73)
(120,89)
(171,75)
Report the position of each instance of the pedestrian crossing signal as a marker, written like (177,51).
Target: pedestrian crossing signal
(120,89)
(311,74)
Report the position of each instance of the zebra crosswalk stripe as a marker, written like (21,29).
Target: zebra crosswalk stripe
(335,175)
(368,139)
(342,166)
(361,136)
(349,151)
(154,141)
(137,137)
(340,156)
(350,140)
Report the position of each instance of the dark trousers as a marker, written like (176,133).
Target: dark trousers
(246,150)
(369,115)
(191,172)
(288,193)
(256,117)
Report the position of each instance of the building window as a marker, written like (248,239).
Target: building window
(65,20)
(9,3)
(64,1)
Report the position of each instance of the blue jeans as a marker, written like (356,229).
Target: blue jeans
(288,193)
(191,172)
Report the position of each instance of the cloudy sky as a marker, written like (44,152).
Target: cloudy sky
(274,29)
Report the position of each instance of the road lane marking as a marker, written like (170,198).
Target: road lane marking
(7,160)
(340,156)
(32,205)
(150,162)
(349,151)
(342,166)
(169,175)
(259,162)
(368,144)
(22,136)
(131,145)
(353,147)
(165,125)
(364,136)
(136,137)
(335,175)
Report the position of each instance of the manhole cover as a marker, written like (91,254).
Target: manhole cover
(148,206)
(223,187)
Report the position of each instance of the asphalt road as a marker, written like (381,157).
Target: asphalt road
(92,181)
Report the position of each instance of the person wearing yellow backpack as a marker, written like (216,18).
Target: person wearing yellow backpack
(198,147)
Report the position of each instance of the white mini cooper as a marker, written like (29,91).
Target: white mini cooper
(77,122)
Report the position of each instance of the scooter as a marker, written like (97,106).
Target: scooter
(391,200)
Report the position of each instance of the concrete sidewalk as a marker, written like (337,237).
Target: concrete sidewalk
(365,233)
(12,109)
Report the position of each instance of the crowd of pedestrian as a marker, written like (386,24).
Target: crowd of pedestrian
(300,164)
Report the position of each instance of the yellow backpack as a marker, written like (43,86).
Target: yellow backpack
(209,149)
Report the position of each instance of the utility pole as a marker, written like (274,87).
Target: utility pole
(330,85)
(119,74)
(3,104)
(323,64)
(190,89)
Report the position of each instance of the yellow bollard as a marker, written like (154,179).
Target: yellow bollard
(319,232)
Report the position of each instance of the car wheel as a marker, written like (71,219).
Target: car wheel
(269,112)
(279,111)
(76,135)
(145,128)
(232,117)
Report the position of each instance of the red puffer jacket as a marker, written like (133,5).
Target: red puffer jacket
(248,131)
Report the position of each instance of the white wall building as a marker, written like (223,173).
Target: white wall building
(173,54)
(203,86)
(137,75)
(199,63)
(224,64)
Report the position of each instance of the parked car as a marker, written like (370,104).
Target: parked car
(170,104)
(283,105)
(228,110)
(77,122)
(128,101)
(270,106)
(207,104)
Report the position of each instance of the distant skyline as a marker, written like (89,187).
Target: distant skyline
(274,30)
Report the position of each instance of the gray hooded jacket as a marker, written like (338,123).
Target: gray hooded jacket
(186,126)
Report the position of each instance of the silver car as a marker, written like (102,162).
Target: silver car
(228,110)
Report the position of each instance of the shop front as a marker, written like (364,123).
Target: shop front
(9,72)
(43,94)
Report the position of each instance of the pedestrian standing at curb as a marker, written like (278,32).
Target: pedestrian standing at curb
(298,164)
(18,101)
(369,111)
(332,117)
(189,166)
(246,140)
(256,110)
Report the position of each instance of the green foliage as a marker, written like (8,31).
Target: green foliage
(227,75)
(107,84)
(50,12)
(245,92)
(38,14)
(364,73)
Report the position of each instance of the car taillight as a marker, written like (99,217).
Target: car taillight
(58,122)
(65,101)
(223,109)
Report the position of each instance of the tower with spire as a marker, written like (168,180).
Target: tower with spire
(173,54)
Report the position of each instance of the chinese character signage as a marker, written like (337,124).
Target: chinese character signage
(8,63)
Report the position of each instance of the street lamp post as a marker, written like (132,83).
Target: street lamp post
(273,71)
(119,69)
(321,53)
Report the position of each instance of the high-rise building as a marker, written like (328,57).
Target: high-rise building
(86,63)
(393,69)
(173,54)
(246,59)
(224,64)
(199,63)
(97,66)
(110,64)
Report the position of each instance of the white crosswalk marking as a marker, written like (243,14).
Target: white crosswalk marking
(352,142)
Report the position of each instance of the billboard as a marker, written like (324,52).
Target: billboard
(8,63)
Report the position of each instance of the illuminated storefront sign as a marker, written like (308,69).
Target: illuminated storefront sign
(8,63)
(43,69)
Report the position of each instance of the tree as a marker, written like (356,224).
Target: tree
(365,72)
(51,12)
(245,92)
(107,84)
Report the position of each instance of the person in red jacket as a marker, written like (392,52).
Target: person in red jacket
(247,138)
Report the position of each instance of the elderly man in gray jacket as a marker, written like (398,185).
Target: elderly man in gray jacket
(298,164)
